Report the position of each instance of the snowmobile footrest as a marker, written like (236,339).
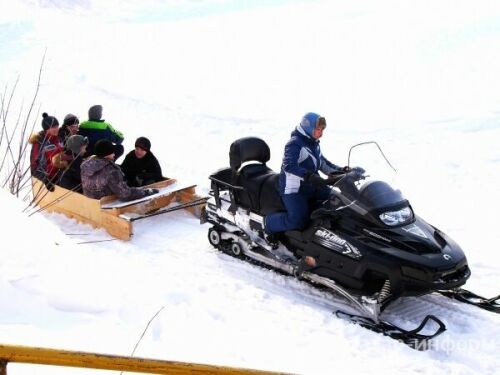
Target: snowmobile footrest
(413,338)
(463,295)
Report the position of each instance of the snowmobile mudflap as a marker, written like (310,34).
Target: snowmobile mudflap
(463,295)
(413,338)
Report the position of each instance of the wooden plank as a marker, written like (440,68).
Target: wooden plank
(190,195)
(106,202)
(107,212)
(83,209)
(43,356)
(68,202)
(117,227)
(118,204)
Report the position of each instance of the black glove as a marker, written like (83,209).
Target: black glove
(150,191)
(315,180)
(355,170)
(49,185)
(138,181)
(358,170)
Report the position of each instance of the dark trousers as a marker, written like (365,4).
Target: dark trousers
(298,209)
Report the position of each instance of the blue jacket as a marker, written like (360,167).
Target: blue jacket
(302,155)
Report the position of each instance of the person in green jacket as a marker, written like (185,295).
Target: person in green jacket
(96,128)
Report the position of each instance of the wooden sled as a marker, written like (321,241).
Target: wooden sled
(116,216)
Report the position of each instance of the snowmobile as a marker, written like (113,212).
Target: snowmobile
(365,244)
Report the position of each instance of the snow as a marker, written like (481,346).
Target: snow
(420,79)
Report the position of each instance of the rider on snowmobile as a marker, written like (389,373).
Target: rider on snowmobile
(299,180)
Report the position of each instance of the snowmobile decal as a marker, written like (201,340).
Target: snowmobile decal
(332,241)
(413,229)
(376,235)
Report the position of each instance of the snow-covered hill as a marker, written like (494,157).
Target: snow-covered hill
(422,80)
(59,291)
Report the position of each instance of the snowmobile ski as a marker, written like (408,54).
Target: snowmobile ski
(465,296)
(413,338)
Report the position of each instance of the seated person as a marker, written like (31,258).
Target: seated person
(140,165)
(102,177)
(96,128)
(299,181)
(69,162)
(69,127)
(45,144)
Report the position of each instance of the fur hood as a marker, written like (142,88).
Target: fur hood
(39,137)
(36,137)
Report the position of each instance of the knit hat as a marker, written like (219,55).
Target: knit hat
(95,112)
(310,121)
(70,119)
(49,121)
(143,143)
(75,143)
(103,148)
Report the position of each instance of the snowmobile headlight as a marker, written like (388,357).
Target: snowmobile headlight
(398,217)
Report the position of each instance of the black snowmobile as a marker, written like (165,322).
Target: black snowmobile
(365,244)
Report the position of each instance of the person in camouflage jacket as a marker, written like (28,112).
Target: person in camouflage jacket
(101,176)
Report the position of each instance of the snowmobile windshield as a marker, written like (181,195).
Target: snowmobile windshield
(373,188)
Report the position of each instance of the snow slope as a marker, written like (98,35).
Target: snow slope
(426,91)
(99,296)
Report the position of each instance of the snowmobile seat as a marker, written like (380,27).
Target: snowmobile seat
(248,157)
(270,200)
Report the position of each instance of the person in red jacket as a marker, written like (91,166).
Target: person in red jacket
(45,144)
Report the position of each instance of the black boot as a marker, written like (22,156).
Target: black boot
(272,239)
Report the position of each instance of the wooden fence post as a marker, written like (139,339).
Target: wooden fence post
(56,357)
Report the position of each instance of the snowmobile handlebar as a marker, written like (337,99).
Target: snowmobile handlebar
(354,174)
(335,177)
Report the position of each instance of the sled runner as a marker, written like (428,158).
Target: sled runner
(116,216)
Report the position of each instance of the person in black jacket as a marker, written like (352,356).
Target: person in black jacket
(140,166)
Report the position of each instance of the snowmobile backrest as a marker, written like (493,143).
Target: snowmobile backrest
(248,149)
